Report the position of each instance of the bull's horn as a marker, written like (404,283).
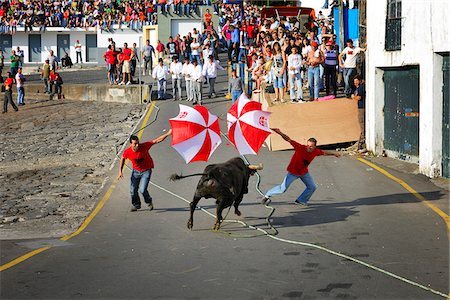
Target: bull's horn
(255,167)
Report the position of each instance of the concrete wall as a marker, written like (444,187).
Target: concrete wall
(98,92)
(423,37)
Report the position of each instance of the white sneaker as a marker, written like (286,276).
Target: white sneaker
(121,83)
(128,83)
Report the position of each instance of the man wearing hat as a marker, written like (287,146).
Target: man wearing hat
(210,72)
(159,73)
(45,75)
(176,69)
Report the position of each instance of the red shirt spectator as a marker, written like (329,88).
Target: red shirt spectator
(141,159)
(301,159)
(8,83)
(126,54)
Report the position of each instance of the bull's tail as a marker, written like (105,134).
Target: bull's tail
(174,177)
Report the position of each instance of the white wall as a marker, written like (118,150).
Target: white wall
(423,34)
(49,40)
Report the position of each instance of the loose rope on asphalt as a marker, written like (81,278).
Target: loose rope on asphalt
(293,242)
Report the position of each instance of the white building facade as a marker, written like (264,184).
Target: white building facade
(407,82)
(36,45)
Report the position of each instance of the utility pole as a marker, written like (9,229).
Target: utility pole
(341,26)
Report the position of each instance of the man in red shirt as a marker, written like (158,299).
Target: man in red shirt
(8,93)
(298,169)
(128,54)
(142,168)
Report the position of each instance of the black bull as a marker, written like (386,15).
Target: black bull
(226,182)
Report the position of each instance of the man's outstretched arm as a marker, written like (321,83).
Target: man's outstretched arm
(162,137)
(285,137)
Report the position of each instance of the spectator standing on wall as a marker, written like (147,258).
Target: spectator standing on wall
(110,57)
(128,54)
(20,80)
(53,60)
(21,56)
(78,51)
(134,59)
(148,52)
(45,75)
(14,63)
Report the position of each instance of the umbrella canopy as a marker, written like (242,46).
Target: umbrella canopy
(195,133)
(248,125)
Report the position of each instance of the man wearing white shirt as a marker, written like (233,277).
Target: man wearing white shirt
(349,65)
(197,80)
(295,80)
(210,72)
(159,73)
(176,69)
(206,52)
(187,77)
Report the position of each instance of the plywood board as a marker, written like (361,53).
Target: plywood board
(330,122)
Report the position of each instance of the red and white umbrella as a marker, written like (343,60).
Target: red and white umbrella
(248,125)
(195,133)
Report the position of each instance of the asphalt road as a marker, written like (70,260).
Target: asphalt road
(356,211)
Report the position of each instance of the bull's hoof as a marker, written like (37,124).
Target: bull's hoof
(190,225)
(216,226)
(237,212)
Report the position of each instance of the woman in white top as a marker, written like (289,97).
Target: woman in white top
(195,48)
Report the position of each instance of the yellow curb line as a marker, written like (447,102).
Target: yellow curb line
(86,222)
(438,211)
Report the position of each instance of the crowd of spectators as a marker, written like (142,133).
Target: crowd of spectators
(281,52)
(98,14)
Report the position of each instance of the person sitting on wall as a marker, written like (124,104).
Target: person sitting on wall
(66,61)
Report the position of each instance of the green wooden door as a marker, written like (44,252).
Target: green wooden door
(401,111)
(446,118)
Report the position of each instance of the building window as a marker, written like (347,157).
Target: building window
(394,25)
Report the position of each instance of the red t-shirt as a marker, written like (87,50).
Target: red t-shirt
(8,82)
(141,159)
(301,159)
(208,17)
(126,54)
(110,57)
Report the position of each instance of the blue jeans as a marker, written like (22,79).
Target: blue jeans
(139,181)
(197,57)
(348,76)
(161,88)
(313,82)
(307,193)
(250,83)
(295,79)
(242,72)
(235,95)
(20,95)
